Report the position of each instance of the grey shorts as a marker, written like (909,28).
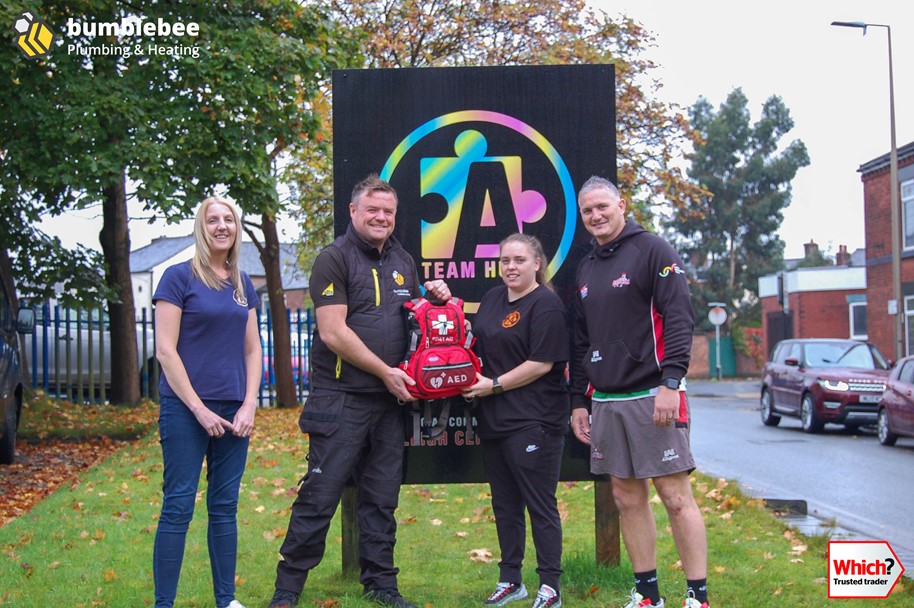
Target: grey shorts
(624,441)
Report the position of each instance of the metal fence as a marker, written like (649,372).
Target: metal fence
(69,353)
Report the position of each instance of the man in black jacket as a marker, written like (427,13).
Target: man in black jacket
(354,413)
(632,343)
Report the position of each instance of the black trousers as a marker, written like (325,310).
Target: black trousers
(358,436)
(523,471)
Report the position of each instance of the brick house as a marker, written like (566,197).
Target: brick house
(851,299)
(818,302)
(875,175)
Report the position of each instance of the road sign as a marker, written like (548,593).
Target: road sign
(862,569)
(717,315)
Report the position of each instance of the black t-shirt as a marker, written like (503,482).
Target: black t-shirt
(532,328)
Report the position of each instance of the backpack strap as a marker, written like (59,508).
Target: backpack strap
(428,430)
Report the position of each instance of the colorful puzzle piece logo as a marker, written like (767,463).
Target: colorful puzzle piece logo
(449,177)
(480,199)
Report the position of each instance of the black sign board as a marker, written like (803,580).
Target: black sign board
(475,155)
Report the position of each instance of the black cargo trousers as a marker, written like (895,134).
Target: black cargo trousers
(357,435)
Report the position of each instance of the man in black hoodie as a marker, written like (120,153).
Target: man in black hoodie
(632,343)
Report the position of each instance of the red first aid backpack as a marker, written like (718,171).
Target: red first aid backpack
(439,358)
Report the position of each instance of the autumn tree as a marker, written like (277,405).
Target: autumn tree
(729,235)
(166,127)
(415,33)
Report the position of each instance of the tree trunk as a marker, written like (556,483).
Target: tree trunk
(115,241)
(9,285)
(282,343)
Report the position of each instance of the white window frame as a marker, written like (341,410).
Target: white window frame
(850,310)
(906,191)
(908,320)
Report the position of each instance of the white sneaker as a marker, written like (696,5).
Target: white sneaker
(547,597)
(691,602)
(506,592)
(235,604)
(639,601)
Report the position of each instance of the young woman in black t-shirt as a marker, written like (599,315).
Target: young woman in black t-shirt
(523,415)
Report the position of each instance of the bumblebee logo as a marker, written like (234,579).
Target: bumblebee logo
(34,37)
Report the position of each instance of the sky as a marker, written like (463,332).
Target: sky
(833,80)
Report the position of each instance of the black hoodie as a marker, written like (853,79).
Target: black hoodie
(632,316)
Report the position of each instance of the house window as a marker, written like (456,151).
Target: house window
(907,206)
(858,320)
(909,325)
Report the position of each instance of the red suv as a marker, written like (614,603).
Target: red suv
(896,410)
(823,380)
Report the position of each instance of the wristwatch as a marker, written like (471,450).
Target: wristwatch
(497,388)
(671,383)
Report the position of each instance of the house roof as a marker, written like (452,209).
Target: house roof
(158,251)
(905,153)
(293,277)
(163,249)
(858,257)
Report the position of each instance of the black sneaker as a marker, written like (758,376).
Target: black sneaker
(284,599)
(388,597)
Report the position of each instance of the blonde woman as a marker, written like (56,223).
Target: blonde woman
(208,345)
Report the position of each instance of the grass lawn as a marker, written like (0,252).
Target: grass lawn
(90,543)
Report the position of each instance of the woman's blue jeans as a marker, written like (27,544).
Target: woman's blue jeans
(184,446)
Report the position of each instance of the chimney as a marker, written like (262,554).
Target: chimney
(842,258)
(810,248)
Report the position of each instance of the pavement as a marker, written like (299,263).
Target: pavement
(738,388)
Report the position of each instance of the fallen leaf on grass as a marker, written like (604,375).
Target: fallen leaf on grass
(480,555)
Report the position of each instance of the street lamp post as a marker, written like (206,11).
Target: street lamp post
(894,203)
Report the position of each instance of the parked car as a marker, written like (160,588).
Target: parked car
(11,385)
(821,381)
(79,349)
(896,409)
